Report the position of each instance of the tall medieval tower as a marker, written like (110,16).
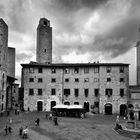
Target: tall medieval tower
(138,61)
(3,43)
(44,41)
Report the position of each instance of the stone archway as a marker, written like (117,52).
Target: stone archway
(123,108)
(76,103)
(39,106)
(108,108)
(53,103)
(86,106)
(66,103)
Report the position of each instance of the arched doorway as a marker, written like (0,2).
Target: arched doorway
(66,103)
(86,106)
(76,103)
(53,103)
(123,108)
(108,109)
(39,106)
(130,106)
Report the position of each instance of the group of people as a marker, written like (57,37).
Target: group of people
(7,129)
(23,132)
(118,126)
(52,116)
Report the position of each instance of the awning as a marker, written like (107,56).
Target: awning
(60,106)
(75,107)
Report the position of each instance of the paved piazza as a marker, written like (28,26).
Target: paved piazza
(93,127)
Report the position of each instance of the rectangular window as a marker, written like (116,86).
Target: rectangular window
(53,91)
(31,79)
(121,92)
(40,80)
(96,69)
(108,69)
(53,70)
(67,80)
(76,80)
(31,91)
(66,92)
(96,92)
(76,91)
(31,70)
(108,92)
(96,79)
(86,70)
(66,70)
(76,70)
(40,70)
(121,69)
(53,80)
(96,104)
(109,79)
(121,79)
(86,80)
(39,91)
(86,92)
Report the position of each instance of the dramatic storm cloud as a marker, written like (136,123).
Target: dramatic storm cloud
(83,30)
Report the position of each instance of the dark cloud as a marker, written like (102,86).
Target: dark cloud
(117,41)
(68,17)
(74,5)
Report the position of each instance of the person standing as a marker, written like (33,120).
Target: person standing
(20,131)
(55,120)
(6,130)
(25,132)
(38,121)
(10,129)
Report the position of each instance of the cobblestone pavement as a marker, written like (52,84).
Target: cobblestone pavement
(93,127)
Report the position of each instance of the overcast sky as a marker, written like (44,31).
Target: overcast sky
(83,30)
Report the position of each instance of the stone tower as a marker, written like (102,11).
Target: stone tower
(44,41)
(3,43)
(138,61)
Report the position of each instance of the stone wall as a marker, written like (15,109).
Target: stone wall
(95,81)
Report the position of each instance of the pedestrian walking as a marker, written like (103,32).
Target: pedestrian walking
(37,121)
(25,132)
(50,116)
(10,129)
(55,120)
(10,120)
(6,130)
(20,131)
(15,111)
(8,112)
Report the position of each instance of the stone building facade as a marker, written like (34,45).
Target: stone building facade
(99,86)
(7,68)
(11,62)
(3,62)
